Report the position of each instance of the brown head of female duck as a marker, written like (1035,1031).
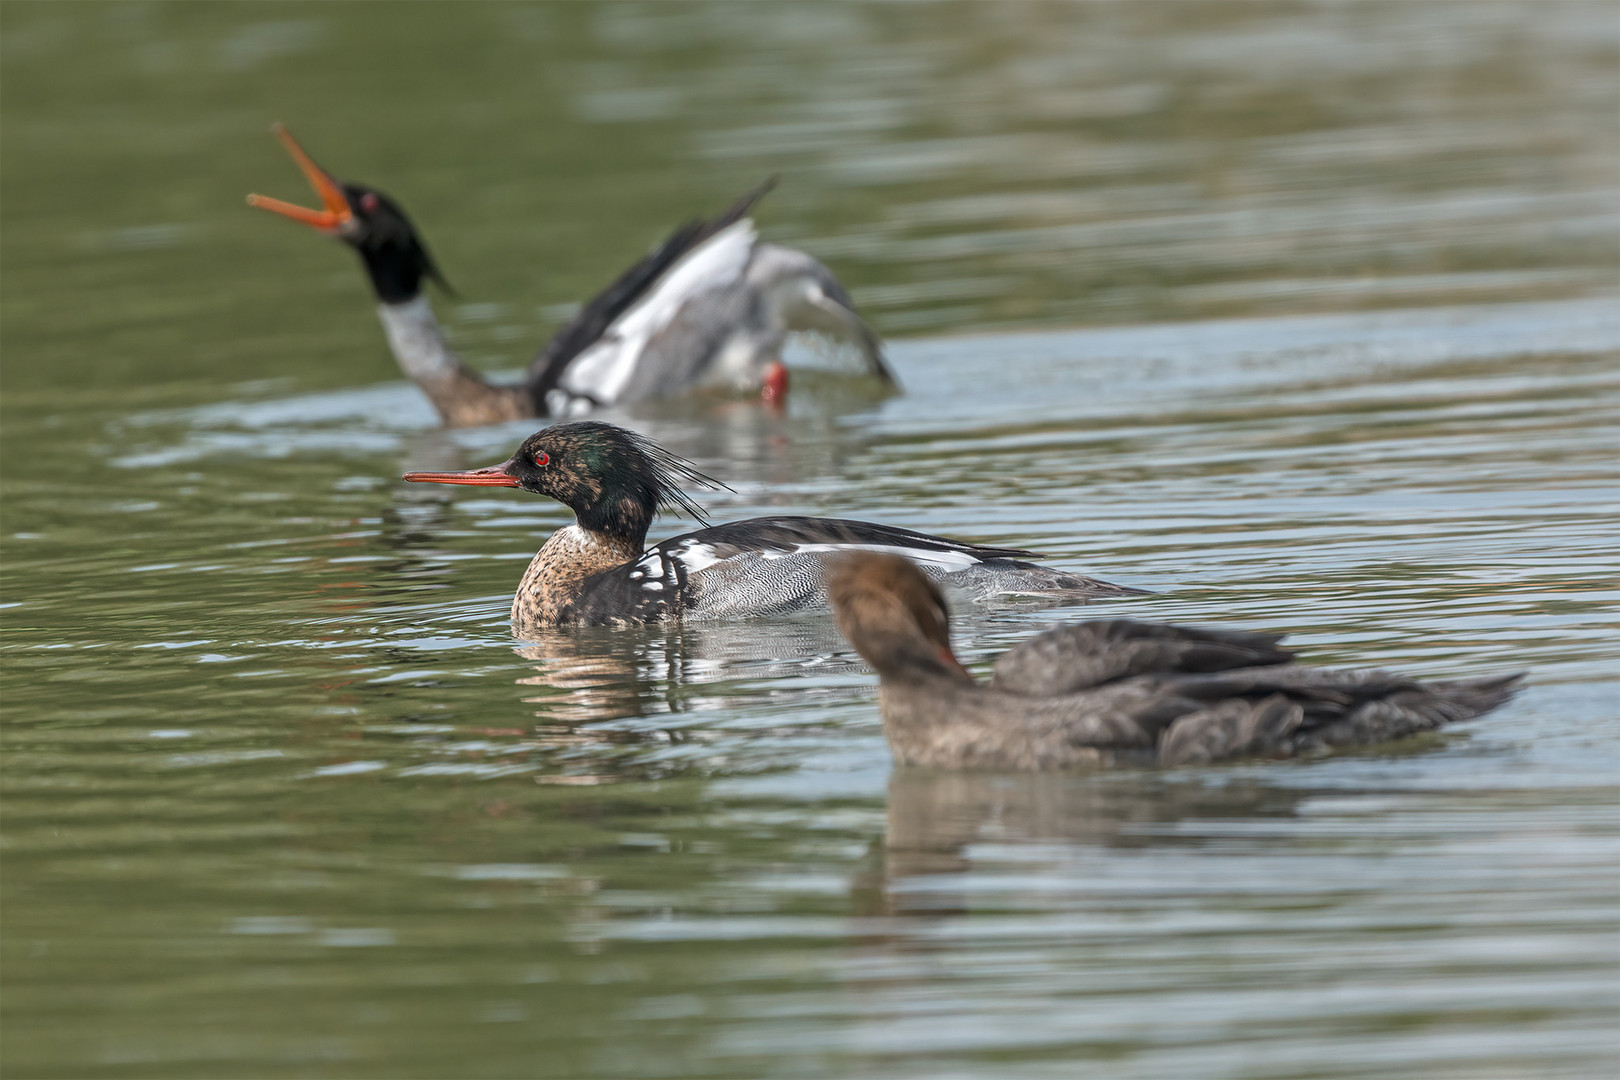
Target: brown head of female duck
(1117,692)
(596,570)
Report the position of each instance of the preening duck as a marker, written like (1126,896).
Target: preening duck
(1117,692)
(596,571)
(710,307)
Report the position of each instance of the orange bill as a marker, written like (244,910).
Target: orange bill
(492,476)
(336,213)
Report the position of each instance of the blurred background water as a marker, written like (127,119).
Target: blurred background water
(1302,314)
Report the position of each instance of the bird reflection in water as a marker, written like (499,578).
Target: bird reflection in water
(936,818)
(616,700)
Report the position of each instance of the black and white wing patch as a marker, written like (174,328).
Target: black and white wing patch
(780,565)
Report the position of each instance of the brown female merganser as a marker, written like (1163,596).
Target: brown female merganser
(1117,692)
(708,308)
(596,571)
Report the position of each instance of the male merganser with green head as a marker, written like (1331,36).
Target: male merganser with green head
(597,570)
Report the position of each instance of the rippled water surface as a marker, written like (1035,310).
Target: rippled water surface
(1303,316)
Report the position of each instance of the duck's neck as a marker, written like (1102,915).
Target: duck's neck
(552,582)
(460,394)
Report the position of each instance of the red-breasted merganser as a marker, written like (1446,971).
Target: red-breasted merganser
(596,570)
(1117,692)
(708,308)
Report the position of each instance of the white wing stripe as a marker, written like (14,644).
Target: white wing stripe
(948,561)
(602,370)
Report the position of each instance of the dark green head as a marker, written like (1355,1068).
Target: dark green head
(614,480)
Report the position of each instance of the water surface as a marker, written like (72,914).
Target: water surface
(1303,316)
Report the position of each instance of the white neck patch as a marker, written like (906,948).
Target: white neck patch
(416,341)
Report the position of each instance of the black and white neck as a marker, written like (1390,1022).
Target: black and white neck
(397,262)
(462,396)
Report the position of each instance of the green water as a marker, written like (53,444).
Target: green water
(1303,315)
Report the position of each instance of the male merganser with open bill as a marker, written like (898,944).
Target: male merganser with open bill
(596,570)
(1117,692)
(710,307)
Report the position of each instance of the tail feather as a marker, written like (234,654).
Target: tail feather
(1421,707)
(1303,720)
(1044,581)
(1471,697)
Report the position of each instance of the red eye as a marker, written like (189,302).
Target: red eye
(368,201)
(541,457)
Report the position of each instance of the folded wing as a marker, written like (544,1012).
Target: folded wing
(1068,659)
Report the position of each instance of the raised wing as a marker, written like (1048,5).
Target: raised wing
(805,296)
(634,285)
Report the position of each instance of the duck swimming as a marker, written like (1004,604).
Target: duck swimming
(710,307)
(596,570)
(1117,692)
